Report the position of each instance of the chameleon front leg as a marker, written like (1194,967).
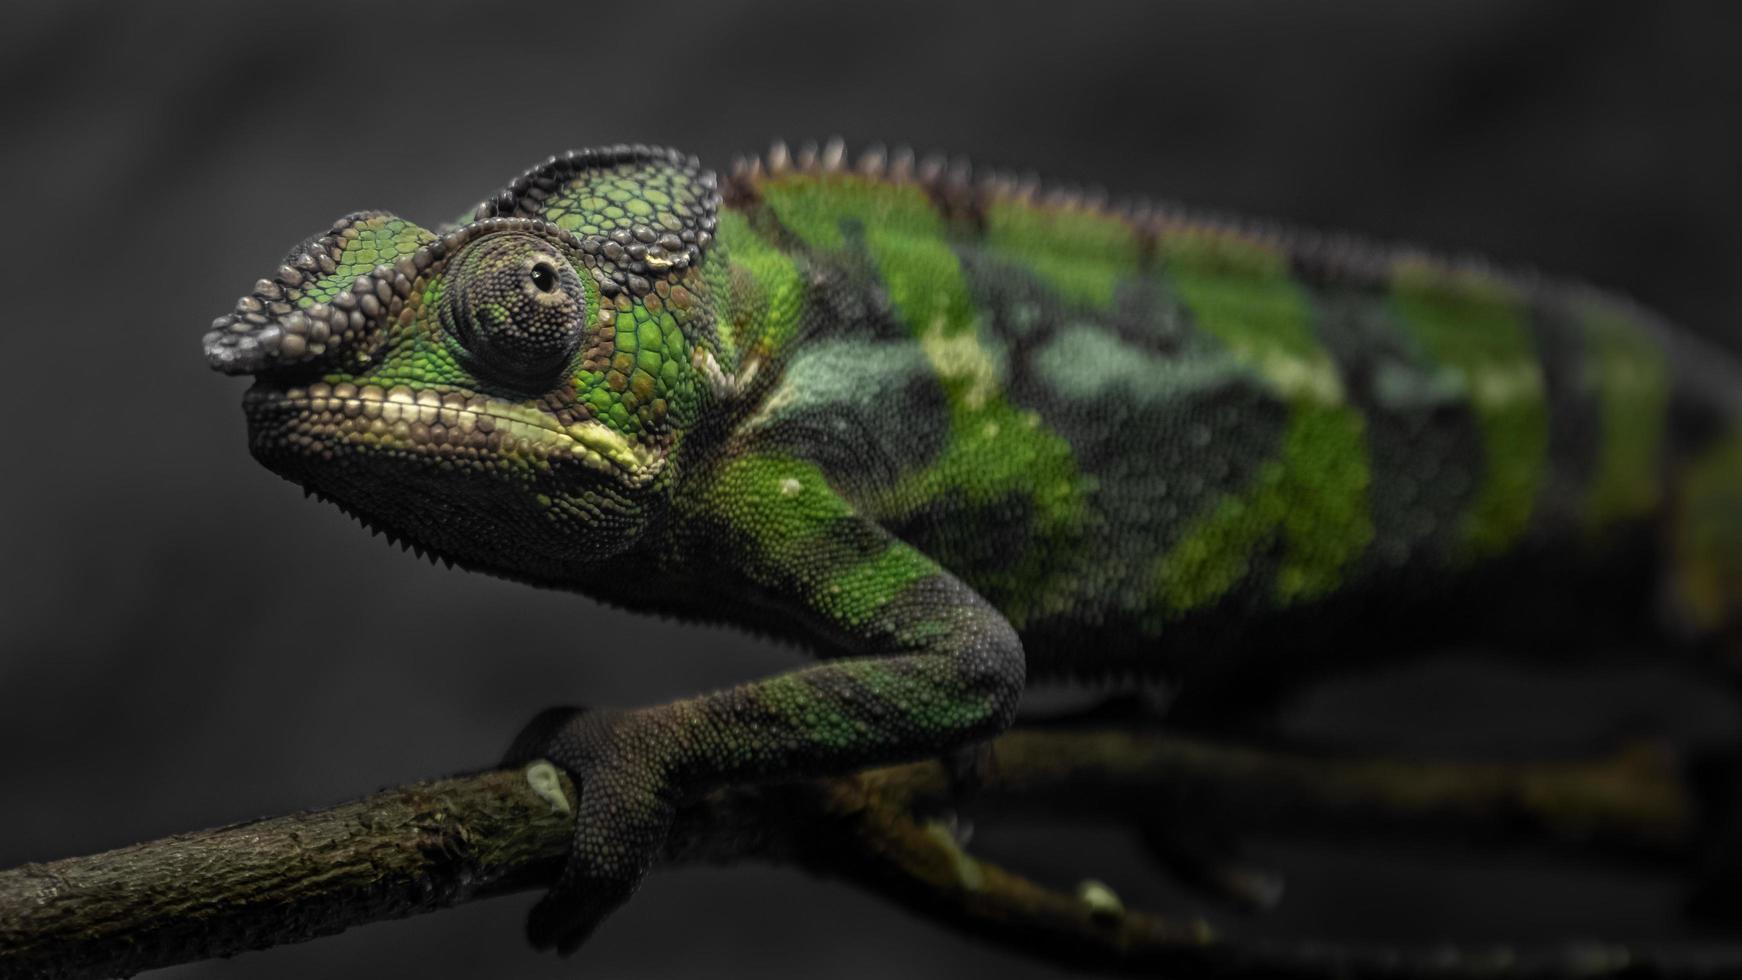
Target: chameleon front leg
(928,667)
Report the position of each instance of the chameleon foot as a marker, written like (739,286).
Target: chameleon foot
(1209,862)
(621,820)
(968,769)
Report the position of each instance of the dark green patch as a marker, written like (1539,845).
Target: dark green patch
(1476,326)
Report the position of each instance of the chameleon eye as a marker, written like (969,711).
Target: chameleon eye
(543,277)
(517,307)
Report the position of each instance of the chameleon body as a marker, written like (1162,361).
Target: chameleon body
(954,436)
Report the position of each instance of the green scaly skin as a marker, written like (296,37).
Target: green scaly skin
(954,435)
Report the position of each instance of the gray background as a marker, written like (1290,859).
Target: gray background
(185,641)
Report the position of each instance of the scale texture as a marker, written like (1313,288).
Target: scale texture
(954,435)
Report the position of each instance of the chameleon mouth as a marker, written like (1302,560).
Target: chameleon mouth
(454,424)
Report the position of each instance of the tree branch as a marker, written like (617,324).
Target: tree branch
(280,880)
(431,845)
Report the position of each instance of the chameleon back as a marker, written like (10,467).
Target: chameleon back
(1140,435)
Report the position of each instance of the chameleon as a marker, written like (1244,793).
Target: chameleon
(958,435)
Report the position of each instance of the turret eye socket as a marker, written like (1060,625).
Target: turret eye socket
(517,308)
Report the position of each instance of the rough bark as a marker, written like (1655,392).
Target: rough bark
(430,845)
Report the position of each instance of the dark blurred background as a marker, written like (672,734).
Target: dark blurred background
(185,641)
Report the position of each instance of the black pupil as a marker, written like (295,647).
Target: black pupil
(544,277)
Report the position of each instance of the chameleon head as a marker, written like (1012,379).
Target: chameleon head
(505,395)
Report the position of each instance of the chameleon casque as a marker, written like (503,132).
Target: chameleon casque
(958,435)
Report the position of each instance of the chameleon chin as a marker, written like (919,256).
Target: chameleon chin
(953,436)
